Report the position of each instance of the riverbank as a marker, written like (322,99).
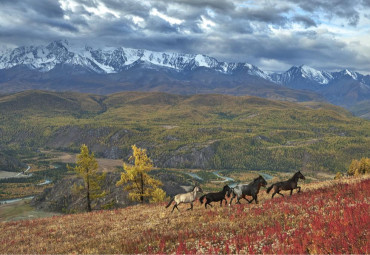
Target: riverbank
(21,210)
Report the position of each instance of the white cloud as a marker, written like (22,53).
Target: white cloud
(171,20)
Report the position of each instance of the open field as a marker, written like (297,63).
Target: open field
(105,164)
(326,217)
(21,210)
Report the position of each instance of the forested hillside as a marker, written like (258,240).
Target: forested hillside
(198,131)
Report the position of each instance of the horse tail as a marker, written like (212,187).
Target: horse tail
(269,188)
(170,202)
(201,199)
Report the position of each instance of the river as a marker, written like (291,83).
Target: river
(9,201)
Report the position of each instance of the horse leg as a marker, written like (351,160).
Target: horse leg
(299,189)
(255,199)
(231,200)
(173,208)
(221,203)
(191,206)
(280,193)
(291,191)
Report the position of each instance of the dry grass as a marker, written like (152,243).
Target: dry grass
(281,225)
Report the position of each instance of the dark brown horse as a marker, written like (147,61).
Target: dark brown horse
(215,197)
(287,185)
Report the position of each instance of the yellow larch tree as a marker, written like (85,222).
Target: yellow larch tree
(87,168)
(359,167)
(137,181)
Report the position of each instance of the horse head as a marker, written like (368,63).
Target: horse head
(300,175)
(226,188)
(197,189)
(262,181)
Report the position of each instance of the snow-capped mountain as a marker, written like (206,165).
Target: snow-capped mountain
(303,73)
(114,60)
(61,66)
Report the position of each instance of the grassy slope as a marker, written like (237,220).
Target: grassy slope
(327,217)
(313,136)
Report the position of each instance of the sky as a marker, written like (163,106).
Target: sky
(272,34)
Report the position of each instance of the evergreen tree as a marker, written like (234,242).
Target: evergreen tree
(87,168)
(138,182)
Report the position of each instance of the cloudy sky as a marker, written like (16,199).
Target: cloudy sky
(272,34)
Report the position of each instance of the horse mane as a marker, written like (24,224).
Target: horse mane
(294,176)
(256,179)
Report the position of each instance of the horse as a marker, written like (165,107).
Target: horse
(251,189)
(185,198)
(287,185)
(215,197)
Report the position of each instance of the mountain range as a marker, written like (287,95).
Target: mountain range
(60,66)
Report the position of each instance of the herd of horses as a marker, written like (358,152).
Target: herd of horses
(239,191)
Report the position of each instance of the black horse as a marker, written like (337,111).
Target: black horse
(215,197)
(251,189)
(287,185)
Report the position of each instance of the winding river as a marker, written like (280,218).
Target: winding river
(267,177)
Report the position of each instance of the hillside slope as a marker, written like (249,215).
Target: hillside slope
(198,131)
(330,217)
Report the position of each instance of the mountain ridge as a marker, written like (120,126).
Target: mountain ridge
(60,66)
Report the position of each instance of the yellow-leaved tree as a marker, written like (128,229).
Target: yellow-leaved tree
(87,168)
(136,180)
(359,167)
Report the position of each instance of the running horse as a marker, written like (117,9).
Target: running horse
(215,197)
(290,184)
(251,189)
(185,198)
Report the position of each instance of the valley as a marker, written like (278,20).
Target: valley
(191,139)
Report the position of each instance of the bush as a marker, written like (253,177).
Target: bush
(359,167)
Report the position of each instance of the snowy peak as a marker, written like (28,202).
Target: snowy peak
(348,74)
(320,77)
(304,72)
(114,60)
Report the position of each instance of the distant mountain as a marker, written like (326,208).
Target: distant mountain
(303,77)
(114,60)
(60,66)
(345,88)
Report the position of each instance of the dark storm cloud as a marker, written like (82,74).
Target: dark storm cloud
(305,20)
(270,14)
(334,8)
(45,8)
(284,32)
(219,5)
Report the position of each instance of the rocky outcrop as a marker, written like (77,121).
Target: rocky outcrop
(104,141)
(10,163)
(194,158)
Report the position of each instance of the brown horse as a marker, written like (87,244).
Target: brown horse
(287,185)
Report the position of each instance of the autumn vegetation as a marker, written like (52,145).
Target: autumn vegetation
(326,217)
(137,181)
(87,168)
(243,132)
